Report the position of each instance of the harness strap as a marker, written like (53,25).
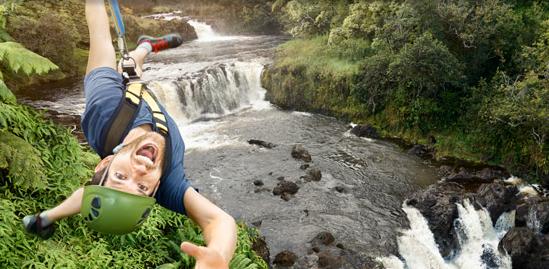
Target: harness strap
(120,125)
(126,113)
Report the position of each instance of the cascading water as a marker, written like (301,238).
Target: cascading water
(478,240)
(206,33)
(217,91)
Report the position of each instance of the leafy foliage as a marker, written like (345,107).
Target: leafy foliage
(6,96)
(17,58)
(472,73)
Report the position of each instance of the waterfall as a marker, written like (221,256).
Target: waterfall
(214,92)
(206,33)
(477,237)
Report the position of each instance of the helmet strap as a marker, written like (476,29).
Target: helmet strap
(105,174)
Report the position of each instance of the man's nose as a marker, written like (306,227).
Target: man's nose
(140,167)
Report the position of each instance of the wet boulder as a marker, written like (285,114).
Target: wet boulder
(438,205)
(534,214)
(261,249)
(523,246)
(285,258)
(422,151)
(285,189)
(330,258)
(365,131)
(323,238)
(497,198)
(261,143)
(313,174)
(300,153)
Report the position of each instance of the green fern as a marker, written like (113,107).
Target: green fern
(17,58)
(6,96)
(21,161)
(241,261)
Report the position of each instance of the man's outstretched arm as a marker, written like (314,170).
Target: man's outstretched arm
(102,53)
(219,232)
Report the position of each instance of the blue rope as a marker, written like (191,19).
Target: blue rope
(120,28)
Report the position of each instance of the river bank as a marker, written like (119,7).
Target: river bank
(308,76)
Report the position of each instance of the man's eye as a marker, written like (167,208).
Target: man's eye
(119,176)
(143,187)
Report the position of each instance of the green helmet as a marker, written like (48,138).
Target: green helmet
(111,211)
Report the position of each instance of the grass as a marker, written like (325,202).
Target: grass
(316,56)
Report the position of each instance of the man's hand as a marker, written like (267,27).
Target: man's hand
(206,258)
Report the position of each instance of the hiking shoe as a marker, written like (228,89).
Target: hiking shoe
(32,224)
(161,43)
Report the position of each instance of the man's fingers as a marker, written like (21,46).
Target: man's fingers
(191,249)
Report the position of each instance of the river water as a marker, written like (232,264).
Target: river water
(212,88)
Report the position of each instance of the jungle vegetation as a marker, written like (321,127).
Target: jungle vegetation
(41,163)
(472,74)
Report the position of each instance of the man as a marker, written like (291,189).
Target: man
(137,165)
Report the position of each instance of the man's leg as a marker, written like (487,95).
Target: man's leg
(138,55)
(102,53)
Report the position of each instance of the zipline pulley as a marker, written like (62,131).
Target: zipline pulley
(127,63)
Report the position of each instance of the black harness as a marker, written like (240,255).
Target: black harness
(120,125)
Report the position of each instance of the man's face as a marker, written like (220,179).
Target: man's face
(137,168)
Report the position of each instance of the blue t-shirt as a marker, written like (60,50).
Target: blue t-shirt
(103,88)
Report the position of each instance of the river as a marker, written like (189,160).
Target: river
(211,86)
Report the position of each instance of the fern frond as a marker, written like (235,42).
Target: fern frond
(6,96)
(21,161)
(17,58)
(240,261)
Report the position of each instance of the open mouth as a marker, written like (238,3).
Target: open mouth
(148,151)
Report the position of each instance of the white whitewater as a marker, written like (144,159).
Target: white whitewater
(206,33)
(477,236)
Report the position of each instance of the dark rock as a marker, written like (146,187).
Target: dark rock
(316,249)
(422,151)
(261,249)
(541,211)
(535,210)
(280,178)
(521,215)
(438,205)
(521,244)
(257,223)
(365,131)
(489,174)
(497,198)
(285,258)
(261,143)
(490,258)
(285,187)
(258,182)
(313,175)
(300,153)
(286,197)
(339,245)
(329,259)
(304,167)
(445,171)
(323,238)
(270,173)
(340,189)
